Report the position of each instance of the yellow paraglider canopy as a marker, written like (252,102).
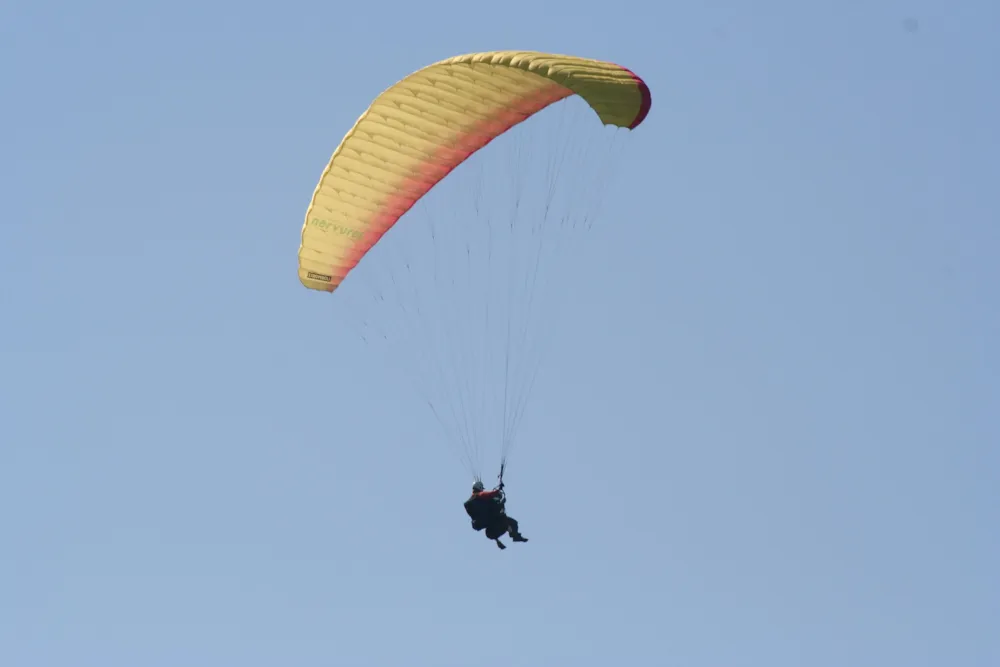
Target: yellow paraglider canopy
(424,126)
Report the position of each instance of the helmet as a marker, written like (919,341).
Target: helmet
(477,487)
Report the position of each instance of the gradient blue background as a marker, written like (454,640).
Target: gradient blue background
(782,444)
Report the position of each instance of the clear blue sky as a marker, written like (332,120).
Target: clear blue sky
(768,434)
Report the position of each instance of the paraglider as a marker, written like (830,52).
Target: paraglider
(488,511)
(411,137)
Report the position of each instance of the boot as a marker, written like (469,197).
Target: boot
(501,544)
(518,537)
